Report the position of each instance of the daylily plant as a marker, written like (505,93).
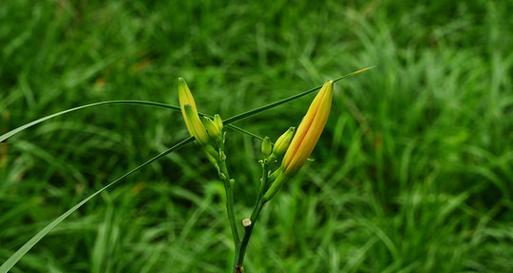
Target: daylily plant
(292,149)
(297,147)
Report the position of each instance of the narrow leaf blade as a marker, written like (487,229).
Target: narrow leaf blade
(54,115)
(13,259)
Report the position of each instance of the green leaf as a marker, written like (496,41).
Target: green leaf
(260,109)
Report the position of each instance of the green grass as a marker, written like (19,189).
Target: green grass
(413,173)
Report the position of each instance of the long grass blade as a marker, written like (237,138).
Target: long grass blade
(244,131)
(9,263)
(45,118)
(260,109)
(137,102)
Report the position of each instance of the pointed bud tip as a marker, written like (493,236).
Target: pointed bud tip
(218,121)
(329,83)
(182,83)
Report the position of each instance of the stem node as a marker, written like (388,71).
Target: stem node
(246,223)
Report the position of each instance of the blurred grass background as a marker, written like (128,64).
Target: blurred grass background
(413,173)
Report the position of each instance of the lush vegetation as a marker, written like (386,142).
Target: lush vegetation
(413,172)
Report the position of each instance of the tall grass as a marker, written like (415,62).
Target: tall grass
(413,172)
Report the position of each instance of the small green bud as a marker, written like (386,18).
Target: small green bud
(213,130)
(218,122)
(283,142)
(266,147)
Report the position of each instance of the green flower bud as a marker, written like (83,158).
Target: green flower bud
(266,147)
(283,142)
(213,130)
(218,121)
(190,113)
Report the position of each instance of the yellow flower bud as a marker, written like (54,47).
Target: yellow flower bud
(309,130)
(190,113)
(304,140)
(283,142)
(195,127)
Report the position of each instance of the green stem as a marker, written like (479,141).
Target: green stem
(241,250)
(228,187)
(263,181)
(230,207)
(248,230)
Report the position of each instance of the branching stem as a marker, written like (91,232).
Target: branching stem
(248,230)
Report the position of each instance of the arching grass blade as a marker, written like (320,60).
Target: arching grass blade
(257,110)
(100,103)
(9,263)
(45,118)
